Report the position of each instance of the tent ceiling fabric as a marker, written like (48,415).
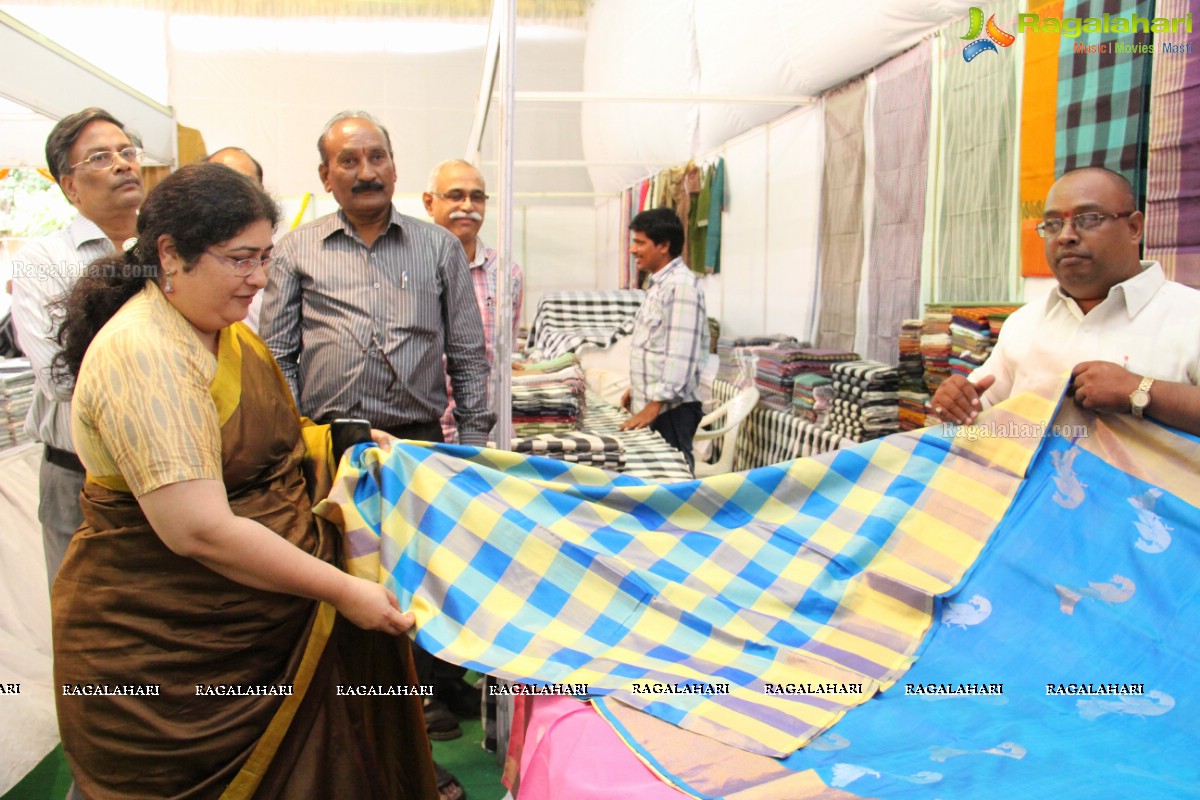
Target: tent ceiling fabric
(527,10)
(770,47)
(53,90)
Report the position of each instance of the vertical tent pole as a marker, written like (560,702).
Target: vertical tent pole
(502,371)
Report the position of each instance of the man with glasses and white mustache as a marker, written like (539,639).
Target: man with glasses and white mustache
(98,167)
(1130,337)
(456,199)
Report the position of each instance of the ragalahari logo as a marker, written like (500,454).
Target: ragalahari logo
(995,35)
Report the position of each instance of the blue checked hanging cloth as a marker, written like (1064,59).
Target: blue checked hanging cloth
(817,571)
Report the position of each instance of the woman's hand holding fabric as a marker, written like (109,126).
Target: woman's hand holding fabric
(372,607)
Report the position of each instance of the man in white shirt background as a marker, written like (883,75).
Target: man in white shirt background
(98,167)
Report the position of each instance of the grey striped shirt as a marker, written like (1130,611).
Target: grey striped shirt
(360,332)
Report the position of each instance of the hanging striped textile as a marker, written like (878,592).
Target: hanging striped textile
(977,140)
(818,571)
(1173,170)
(900,121)
(841,236)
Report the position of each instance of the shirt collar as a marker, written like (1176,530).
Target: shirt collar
(661,275)
(1133,293)
(482,253)
(340,222)
(82,230)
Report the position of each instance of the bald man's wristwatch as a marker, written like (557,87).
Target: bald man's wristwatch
(1140,397)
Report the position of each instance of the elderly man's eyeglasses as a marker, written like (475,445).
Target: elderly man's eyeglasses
(457,196)
(106,158)
(1087,221)
(244,267)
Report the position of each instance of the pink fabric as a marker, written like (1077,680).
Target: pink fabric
(570,751)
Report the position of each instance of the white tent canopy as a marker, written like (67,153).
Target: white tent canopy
(54,84)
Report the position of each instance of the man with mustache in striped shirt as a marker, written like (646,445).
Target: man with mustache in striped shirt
(366,302)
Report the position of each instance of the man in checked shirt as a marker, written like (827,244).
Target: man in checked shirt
(670,335)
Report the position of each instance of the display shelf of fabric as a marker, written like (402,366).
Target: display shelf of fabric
(16,395)
(867,401)
(566,321)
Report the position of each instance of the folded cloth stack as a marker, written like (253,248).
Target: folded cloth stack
(647,455)
(804,402)
(912,369)
(776,371)
(565,361)
(548,402)
(16,395)
(728,350)
(913,409)
(867,402)
(595,450)
(935,345)
(821,362)
(971,335)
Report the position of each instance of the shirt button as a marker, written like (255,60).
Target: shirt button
(377,286)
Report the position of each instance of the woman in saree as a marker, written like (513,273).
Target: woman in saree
(199,568)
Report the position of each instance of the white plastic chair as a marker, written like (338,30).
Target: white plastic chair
(731,414)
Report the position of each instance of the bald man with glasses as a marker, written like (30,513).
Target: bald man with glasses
(1129,337)
(456,198)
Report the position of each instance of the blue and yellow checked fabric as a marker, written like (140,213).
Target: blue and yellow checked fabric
(815,571)
(1082,608)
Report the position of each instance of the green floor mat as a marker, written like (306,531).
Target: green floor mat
(49,780)
(466,759)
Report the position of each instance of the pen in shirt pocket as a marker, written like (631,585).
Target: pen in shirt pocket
(404,279)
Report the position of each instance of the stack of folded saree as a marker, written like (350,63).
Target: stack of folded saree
(16,395)
(914,409)
(867,402)
(911,367)
(732,350)
(550,402)
(776,371)
(972,337)
(804,400)
(935,345)
(594,450)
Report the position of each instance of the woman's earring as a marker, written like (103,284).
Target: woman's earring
(168,288)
